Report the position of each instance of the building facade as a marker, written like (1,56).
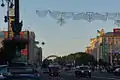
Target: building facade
(106,46)
(28,54)
(38,55)
(111,46)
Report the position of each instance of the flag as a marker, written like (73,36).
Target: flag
(98,31)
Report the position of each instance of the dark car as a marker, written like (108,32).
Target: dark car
(23,70)
(54,71)
(83,71)
(117,72)
(3,68)
(19,77)
(112,69)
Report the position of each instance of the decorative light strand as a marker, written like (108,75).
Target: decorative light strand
(88,16)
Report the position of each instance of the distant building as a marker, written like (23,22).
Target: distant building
(111,46)
(106,46)
(92,46)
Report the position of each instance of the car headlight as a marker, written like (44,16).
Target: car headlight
(116,69)
(82,71)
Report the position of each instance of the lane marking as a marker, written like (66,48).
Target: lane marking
(105,78)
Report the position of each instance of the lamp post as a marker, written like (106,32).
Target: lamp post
(8,16)
(9,5)
(16,30)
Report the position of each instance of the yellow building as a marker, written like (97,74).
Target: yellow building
(106,46)
(91,47)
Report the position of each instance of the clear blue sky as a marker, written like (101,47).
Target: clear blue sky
(74,36)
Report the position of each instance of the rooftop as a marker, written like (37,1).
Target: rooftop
(112,34)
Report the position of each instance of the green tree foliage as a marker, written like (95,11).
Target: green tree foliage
(78,57)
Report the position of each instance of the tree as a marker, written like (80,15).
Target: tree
(78,57)
(61,61)
(84,59)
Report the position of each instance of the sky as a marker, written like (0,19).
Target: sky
(73,36)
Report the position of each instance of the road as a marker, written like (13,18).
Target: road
(71,76)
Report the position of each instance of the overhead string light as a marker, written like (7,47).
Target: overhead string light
(61,17)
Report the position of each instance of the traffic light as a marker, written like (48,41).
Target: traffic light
(5,19)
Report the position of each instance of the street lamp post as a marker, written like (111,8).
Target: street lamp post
(9,5)
(8,18)
(16,2)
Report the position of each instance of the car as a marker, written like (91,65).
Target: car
(83,71)
(23,70)
(45,70)
(111,69)
(19,77)
(67,69)
(117,72)
(54,71)
(3,68)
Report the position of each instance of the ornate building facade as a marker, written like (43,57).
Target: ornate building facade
(106,46)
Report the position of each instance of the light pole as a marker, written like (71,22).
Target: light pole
(16,32)
(15,43)
(7,18)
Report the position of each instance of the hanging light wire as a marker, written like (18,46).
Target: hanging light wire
(88,16)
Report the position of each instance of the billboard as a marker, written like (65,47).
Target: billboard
(24,52)
(116,30)
(23,35)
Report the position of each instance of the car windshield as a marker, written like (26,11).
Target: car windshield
(83,68)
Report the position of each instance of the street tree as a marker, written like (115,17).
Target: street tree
(78,57)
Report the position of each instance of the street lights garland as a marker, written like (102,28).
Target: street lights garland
(8,1)
(60,17)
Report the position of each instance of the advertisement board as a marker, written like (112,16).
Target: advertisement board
(116,30)
(24,52)
(23,35)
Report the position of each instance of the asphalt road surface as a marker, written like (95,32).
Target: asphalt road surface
(71,76)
